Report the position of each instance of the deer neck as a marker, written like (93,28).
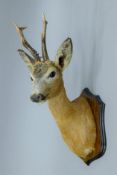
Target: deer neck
(60,105)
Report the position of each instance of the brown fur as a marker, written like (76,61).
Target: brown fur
(76,122)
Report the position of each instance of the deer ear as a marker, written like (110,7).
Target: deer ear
(64,54)
(27,58)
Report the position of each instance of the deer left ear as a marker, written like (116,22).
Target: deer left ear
(64,54)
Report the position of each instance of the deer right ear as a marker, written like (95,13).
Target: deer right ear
(64,54)
(27,58)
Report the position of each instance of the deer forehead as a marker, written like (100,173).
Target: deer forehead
(40,69)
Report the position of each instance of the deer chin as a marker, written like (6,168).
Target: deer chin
(42,101)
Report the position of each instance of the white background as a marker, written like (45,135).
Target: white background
(30,142)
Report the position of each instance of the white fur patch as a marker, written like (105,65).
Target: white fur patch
(88,151)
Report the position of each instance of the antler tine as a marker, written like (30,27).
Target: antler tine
(43,40)
(25,43)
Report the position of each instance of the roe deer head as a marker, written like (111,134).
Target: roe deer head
(46,75)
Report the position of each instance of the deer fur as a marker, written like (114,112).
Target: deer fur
(74,118)
(75,121)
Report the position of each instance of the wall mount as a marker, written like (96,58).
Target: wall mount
(98,109)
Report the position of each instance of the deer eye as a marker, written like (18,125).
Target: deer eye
(31,78)
(52,74)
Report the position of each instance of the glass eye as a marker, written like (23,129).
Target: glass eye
(52,74)
(31,78)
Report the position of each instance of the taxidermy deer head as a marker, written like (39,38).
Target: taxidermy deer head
(78,122)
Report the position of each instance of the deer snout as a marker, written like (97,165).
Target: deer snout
(37,97)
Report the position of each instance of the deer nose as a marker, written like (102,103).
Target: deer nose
(37,97)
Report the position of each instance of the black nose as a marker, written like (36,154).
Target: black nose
(37,97)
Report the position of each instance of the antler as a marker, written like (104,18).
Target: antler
(25,43)
(28,46)
(43,40)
